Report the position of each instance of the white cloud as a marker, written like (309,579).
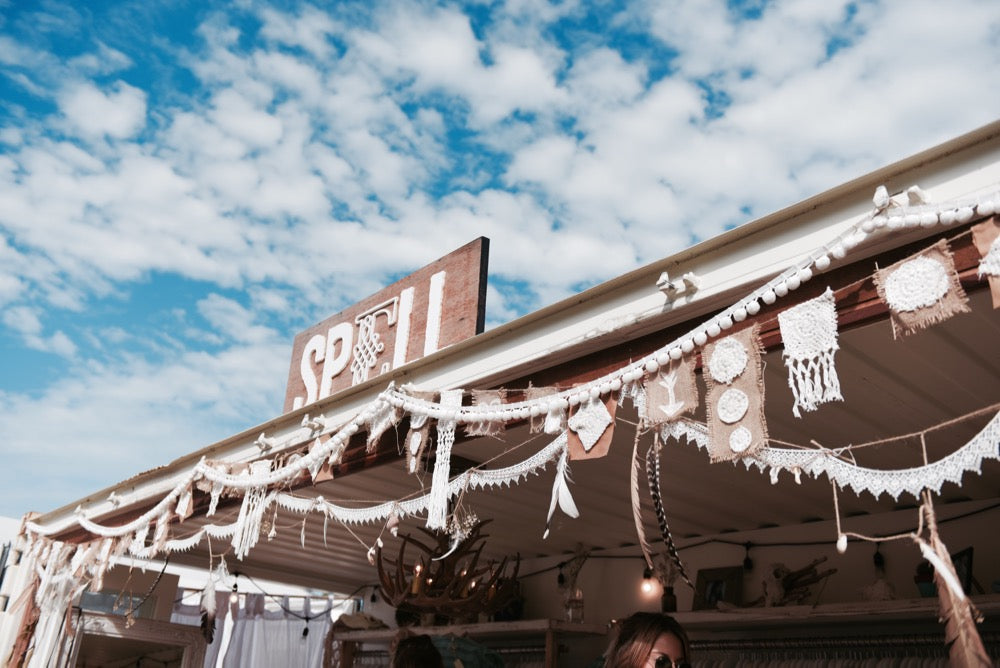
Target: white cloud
(119,113)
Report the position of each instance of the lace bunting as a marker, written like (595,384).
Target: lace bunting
(487,427)
(986,237)
(921,290)
(809,332)
(670,393)
(735,397)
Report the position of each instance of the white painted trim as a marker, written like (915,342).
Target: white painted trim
(435,302)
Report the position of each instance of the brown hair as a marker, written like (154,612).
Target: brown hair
(637,635)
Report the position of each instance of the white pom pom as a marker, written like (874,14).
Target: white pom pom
(663,358)
(781,289)
(842,543)
(948,217)
(987,208)
(823,262)
(606,387)
(881,198)
(687,345)
(894,222)
(574,400)
(714,330)
(911,220)
(793,282)
(652,366)
(928,219)
(676,353)
(595,392)
(740,314)
(700,338)
(769,297)
(868,226)
(964,214)
(616,384)
(880,221)
(838,251)
(753,307)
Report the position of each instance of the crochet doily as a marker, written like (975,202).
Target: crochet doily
(809,328)
(732,405)
(740,439)
(590,422)
(728,360)
(916,284)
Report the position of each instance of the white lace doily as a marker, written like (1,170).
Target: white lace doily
(590,422)
(916,284)
(740,439)
(809,328)
(728,360)
(732,406)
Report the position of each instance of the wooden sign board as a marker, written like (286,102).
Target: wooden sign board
(434,307)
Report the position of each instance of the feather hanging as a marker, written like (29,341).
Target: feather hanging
(208,609)
(561,495)
(956,610)
(653,474)
(647,551)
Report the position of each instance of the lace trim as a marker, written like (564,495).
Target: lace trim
(969,457)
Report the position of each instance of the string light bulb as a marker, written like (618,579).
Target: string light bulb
(647,580)
(234,598)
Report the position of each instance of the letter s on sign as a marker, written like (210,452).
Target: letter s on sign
(335,363)
(313,352)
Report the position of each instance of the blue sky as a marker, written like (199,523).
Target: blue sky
(185,185)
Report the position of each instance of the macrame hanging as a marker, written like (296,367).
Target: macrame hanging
(921,290)
(256,501)
(986,237)
(670,392)
(437,510)
(809,332)
(735,397)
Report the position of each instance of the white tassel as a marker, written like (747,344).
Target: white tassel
(555,420)
(437,508)
(561,495)
(255,504)
(813,382)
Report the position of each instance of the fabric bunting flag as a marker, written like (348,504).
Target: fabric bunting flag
(735,397)
(671,392)
(809,332)
(986,237)
(486,427)
(591,427)
(921,290)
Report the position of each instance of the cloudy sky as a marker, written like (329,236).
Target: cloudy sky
(184,185)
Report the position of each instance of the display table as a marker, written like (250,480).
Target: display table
(546,630)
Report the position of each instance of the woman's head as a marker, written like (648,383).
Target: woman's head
(648,637)
(417,652)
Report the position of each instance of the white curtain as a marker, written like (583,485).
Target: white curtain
(262,638)
(253,637)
